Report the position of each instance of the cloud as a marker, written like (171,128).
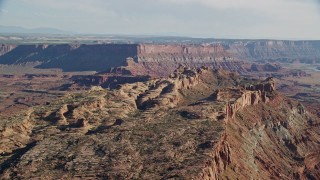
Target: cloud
(92,6)
(318,2)
(279,9)
(1,5)
(205,18)
(102,7)
(4,11)
(236,4)
(225,4)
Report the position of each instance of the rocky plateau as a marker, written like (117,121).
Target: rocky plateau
(160,59)
(220,109)
(197,123)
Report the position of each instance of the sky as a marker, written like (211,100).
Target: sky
(277,19)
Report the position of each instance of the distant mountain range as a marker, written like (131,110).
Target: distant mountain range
(22,30)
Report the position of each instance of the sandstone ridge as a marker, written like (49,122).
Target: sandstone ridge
(194,124)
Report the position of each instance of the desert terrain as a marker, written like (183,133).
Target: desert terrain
(210,109)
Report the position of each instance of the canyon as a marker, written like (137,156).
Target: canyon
(222,109)
(114,61)
(198,123)
(159,59)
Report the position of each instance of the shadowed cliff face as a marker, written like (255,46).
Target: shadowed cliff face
(195,124)
(71,57)
(103,57)
(158,59)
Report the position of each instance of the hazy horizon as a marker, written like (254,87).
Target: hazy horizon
(241,19)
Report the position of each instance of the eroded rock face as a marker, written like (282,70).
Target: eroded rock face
(222,159)
(291,73)
(286,51)
(4,48)
(267,85)
(111,81)
(146,50)
(148,59)
(159,59)
(195,124)
(265,67)
(32,76)
(262,129)
(15,133)
(165,92)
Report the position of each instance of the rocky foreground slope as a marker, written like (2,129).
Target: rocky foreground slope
(196,124)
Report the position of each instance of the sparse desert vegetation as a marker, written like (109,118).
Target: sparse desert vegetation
(159,90)
(168,120)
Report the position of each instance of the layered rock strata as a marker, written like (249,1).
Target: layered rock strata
(160,59)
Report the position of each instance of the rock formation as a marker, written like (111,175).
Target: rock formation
(15,132)
(71,57)
(106,80)
(198,123)
(285,51)
(6,48)
(160,60)
(290,73)
(265,67)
